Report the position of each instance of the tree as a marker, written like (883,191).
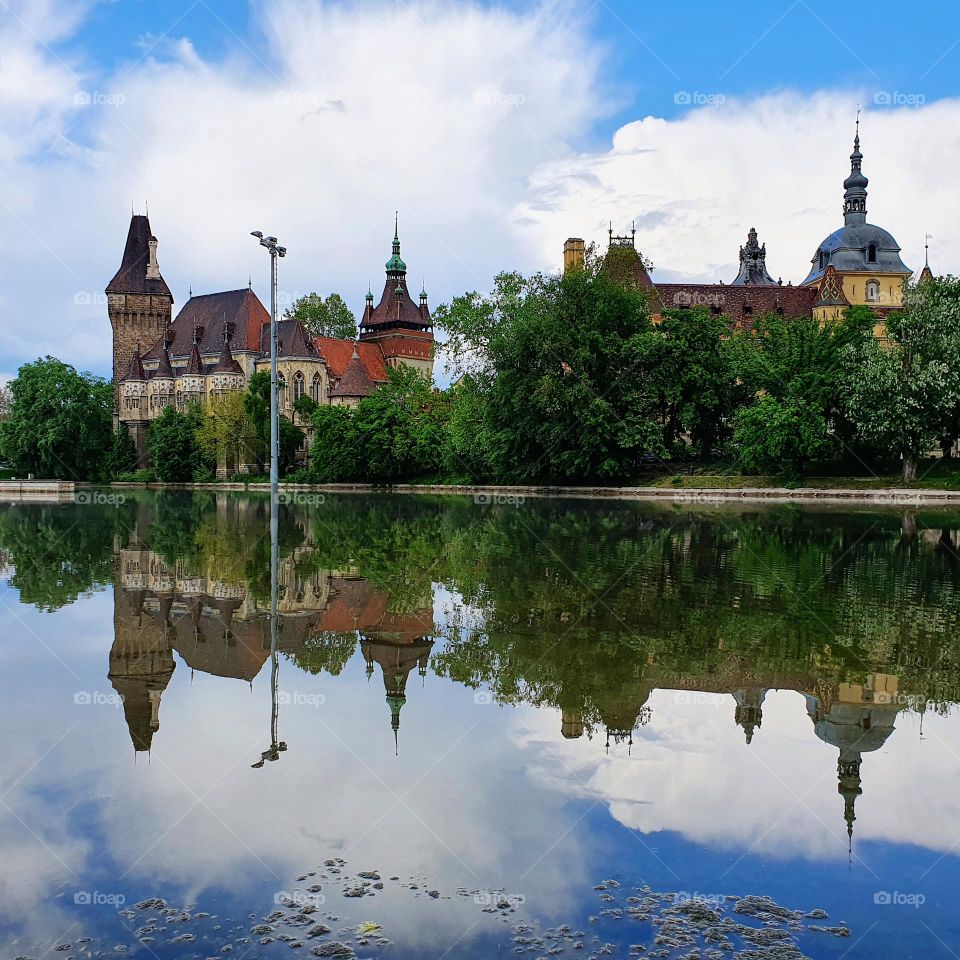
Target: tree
(257,403)
(795,369)
(694,378)
(905,395)
(323,318)
(175,453)
(563,363)
(333,456)
(227,433)
(123,454)
(58,423)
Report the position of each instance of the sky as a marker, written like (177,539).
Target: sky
(495,131)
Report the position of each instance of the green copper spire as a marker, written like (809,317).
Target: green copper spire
(395,264)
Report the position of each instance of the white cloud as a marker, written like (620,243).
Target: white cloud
(463,117)
(697,184)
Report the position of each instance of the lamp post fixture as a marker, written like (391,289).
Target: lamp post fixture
(275,251)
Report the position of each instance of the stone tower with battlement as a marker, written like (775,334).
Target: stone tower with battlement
(139,302)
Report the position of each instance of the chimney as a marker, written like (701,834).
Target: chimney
(573,255)
(153,268)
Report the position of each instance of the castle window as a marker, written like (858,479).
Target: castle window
(873,291)
(716,309)
(298,386)
(872,253)
(747,310)
(823,260)
(315,388)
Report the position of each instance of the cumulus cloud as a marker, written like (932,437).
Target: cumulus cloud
(465,117)
(695,185)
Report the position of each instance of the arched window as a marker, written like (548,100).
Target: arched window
(315,388)
(298,386)
(872,253)
(873,291)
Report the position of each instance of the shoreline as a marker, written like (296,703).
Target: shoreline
(507,494)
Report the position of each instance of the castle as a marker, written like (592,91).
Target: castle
(859,264)
(218,340)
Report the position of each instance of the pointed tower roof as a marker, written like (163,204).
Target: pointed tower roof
(226,363)
(164,370)
(396,307)
(355,381)
(855,186)
(926,273)
(132,275)
(195,364)
(395,265)
(135,371)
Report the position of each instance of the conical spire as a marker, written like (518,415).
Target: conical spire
(226,363)
(195,363)
(855,186)
(396,266)
(164,370)
(136,371)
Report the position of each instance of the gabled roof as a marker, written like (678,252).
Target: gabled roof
(338,353)
(208,314)
(831,290)
(132,275)
(293,341)
(356,381)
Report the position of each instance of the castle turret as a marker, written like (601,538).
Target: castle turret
(139,302)
(403,329)
(753,264)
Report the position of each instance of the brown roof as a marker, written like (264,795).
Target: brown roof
(292,341)
(135,371)
(356,381)
(132,275)
(226,363)
(163,367)
(194,364)
(736,302)
(208,314)
(623,262)
(338,353)
(392,310)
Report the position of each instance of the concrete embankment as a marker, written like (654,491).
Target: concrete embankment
(50,491)
(892,496)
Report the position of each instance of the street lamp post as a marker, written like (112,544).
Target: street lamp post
(275,251)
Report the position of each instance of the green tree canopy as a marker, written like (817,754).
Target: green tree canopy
(58,423)
(175,452)
(323,318)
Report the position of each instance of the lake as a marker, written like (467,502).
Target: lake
(530,728)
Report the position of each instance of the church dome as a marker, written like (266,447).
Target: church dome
(858,246)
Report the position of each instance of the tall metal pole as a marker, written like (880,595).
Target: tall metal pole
(276,746)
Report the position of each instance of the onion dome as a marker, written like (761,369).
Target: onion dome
(395,264)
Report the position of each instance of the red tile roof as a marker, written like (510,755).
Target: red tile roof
(337,354)
(392,309)
(356,381)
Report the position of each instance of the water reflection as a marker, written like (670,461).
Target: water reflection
(615,623)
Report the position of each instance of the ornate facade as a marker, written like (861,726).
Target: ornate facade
(218,340)
(858,264)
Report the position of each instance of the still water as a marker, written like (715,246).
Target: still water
(551,728)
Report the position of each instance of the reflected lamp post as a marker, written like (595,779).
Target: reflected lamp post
(276,745)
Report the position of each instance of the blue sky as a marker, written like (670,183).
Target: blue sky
(496,131)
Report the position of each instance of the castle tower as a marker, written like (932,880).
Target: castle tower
(139,302)
(402,328)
